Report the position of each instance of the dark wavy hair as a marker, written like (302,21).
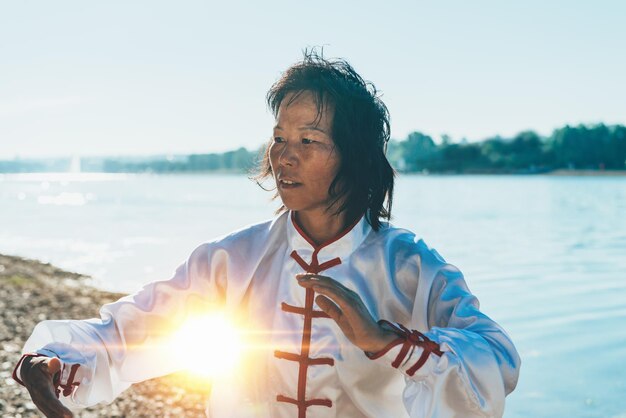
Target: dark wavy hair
(360,131)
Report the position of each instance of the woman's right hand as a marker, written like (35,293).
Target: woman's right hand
(37,373)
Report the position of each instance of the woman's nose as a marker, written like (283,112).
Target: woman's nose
(288,156)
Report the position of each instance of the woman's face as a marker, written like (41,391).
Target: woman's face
(303,156)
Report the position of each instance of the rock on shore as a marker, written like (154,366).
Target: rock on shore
(30,292)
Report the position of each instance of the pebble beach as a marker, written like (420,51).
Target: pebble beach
(31,291)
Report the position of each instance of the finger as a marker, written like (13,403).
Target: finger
(300,276)
(328,306)
(348,300)
(350,303)
(337,296)
(307,282)
(306,278)
(52,365)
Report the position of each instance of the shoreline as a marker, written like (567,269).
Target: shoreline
(68,176)
(32,291)
(555,173)
(590,173)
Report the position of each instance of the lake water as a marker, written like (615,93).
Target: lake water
(545,255)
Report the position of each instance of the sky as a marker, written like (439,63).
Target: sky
(162,77)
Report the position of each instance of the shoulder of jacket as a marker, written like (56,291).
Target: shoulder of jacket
(406,244)
(254,234)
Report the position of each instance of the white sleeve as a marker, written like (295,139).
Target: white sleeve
(128,343)
(478,365)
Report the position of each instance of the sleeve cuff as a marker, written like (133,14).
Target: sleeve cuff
(410,352)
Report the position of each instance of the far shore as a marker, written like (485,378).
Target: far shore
(559,172)
(587,173)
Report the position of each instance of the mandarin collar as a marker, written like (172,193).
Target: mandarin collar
(342,245)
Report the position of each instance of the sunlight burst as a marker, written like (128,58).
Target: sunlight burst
(209,345)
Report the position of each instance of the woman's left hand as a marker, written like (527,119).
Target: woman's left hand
(346,308)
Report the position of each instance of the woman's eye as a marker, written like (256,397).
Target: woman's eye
(307,141)
(278,139)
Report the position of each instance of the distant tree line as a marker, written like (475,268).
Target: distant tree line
(240,160)
(35,165)
(597,147)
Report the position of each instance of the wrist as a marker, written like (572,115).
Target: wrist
(382,340)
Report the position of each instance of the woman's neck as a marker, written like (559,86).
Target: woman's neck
(321,227)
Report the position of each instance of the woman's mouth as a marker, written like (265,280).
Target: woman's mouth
(288,184)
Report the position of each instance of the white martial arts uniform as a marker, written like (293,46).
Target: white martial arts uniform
(252,271)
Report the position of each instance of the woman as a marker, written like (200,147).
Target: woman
(364,320)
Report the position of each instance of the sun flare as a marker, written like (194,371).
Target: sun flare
(209,345)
